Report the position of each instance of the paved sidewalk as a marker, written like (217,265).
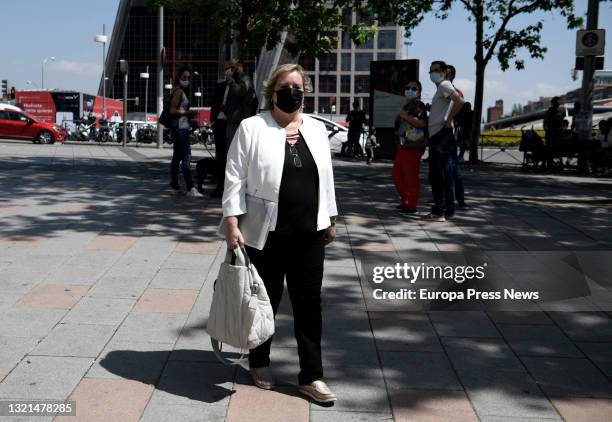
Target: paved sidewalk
(106,281)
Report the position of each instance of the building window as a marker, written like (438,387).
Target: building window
(345,84)
(386,39)
(345,105)
(347,17)
(326,103)
(327,83)
(346,40)
(365,16)
(362,61)
(308,104)
(345,61)
(308,63)
(386,56)
(328,63)
(362,84)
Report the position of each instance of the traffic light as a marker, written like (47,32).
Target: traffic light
(12,93)
(4,88)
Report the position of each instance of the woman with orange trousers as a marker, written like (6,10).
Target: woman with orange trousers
(411,144)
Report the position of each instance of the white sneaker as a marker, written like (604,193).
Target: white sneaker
(193,193)
(435,217)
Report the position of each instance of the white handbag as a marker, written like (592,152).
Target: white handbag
(240,313)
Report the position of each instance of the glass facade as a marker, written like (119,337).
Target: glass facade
(342,75)
(187,44)
(387,39)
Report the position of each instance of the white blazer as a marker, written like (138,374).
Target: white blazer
(255,163)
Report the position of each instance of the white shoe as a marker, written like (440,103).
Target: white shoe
(318,391)
(193,193)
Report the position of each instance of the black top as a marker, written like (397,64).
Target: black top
(298,198)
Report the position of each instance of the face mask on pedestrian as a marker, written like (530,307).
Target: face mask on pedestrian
(410,94)
(289,100)
(183,83)
(436,77)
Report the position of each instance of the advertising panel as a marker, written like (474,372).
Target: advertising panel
(38,104)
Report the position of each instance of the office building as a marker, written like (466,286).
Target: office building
(343,75)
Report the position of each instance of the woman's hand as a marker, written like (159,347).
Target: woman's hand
(233,235)
(330,234)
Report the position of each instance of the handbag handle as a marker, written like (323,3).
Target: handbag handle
(237,256)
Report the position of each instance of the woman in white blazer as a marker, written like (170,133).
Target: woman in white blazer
(279,201)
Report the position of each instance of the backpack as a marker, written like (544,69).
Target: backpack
(165,118)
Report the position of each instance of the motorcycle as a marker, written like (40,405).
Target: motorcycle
(82,130)
(104,132)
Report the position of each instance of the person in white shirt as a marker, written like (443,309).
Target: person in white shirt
(445,105)
(279,200)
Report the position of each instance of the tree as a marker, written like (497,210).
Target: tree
(262,22)
(495,36)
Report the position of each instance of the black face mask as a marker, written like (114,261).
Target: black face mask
(289,100)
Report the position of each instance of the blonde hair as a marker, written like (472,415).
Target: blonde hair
(280,70)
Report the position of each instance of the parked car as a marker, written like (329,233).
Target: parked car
(337,133)
(20,125)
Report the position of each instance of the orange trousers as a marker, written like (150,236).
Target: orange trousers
(405,174)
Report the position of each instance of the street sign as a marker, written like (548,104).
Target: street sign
(590,42)
(599,63)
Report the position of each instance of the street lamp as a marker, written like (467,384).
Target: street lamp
(199,93)
(123,67)
(42,79)
(145,76)
(102,39)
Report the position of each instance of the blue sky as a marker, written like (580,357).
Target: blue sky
(34,29)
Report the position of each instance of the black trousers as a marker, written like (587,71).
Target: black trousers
(299,258)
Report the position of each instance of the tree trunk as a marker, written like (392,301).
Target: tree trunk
(480,72)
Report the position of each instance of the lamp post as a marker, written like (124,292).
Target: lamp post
(102,39)
(199,93)
(42,79)
(123,66)
(145,76)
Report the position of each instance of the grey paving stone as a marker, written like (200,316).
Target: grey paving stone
(481,354)
(568,377)
(318,414)
(174,278)
(463,324)
(131,360)
(12,350)
(185,261)
(515,419)
(121,286)
(186,383)
(539,341)
(8,300)
(29,323)
(197,412)
(84,340)
(418,370)
(505,394)
(152,328)
(520,317)
(600,354)
(18,282)
(44,377)
(405,335)
(99,310)
(585,326)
